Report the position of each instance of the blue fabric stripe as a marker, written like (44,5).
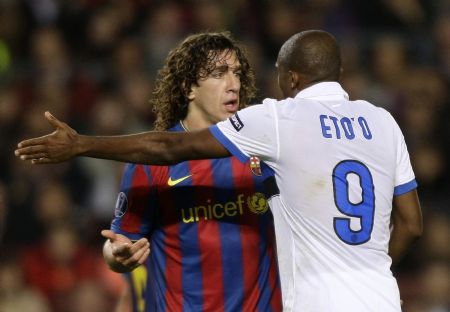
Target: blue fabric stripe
(158,260)
(189,243)
(405,188)
(231,247)
(150,290)
(228,144)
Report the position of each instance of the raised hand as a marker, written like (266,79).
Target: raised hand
(55,147)
(121,254)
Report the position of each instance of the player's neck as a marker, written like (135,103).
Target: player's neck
(190,124)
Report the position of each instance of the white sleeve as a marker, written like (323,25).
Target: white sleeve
(250,132)
(404,174)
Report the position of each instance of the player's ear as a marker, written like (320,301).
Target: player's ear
(294,79)
(191,94)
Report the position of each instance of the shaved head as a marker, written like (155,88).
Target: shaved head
(314,54)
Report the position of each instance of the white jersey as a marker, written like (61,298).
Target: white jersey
(338,164)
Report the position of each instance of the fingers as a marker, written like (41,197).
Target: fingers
(138,257)
(144,256)
(43,161)
(40,141)
(29,152)
(30,155)
(109,234)
(127,250)
(132,255)
(53,120)
(59,125)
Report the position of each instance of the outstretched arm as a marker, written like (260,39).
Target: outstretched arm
(156,148)
(407,224)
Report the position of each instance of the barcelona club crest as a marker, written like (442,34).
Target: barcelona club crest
(255,166)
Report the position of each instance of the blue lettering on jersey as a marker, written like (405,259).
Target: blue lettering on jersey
(346,124)
(365,128)
(332,127)
(325,129)
(336,127)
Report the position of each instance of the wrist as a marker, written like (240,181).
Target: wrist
(81,145)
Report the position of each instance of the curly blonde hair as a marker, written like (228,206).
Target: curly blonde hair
(192,60)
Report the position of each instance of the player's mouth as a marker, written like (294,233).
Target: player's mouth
(232,106)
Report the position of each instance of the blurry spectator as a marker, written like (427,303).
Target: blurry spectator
(128,60)
(210,15)
(435,282)
(160,35)
(58,264)
(90,295)
(135,94)
(9,126)
(430,165)
(433,289)
(107,118)
(3,211)
(53,205)
(15,295)
(436,239)
(389,61)
(441,33)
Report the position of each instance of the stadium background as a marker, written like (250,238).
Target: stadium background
(93,62)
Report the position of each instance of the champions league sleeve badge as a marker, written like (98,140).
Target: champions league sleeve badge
(236,122)
(255,166)
(121,205)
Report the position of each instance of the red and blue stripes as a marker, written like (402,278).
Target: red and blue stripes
(209,251)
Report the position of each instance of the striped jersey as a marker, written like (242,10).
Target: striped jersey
(338,163)
(211,235)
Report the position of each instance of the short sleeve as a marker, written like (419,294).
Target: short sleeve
(404,174)
(250,132)
(133,206)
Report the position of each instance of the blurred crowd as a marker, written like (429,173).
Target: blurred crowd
(92,63)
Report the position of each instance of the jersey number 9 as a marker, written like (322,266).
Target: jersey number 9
(363,210)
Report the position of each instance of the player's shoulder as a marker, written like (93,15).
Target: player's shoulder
(375,110)
(284,107)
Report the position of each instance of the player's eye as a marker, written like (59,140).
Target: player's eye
(217,74)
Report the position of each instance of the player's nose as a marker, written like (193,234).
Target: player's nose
(233,82)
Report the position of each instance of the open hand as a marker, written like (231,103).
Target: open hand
(58,146)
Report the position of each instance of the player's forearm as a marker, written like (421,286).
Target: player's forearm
(402,238)
(157,148)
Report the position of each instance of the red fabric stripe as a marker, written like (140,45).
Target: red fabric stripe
(173,274)
(275,301)
(250,236)
(138,198)
(211,257)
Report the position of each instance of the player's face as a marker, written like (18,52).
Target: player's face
(216,97)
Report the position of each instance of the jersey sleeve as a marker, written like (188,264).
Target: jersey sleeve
(404,175)
(250,132)
(132,214)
